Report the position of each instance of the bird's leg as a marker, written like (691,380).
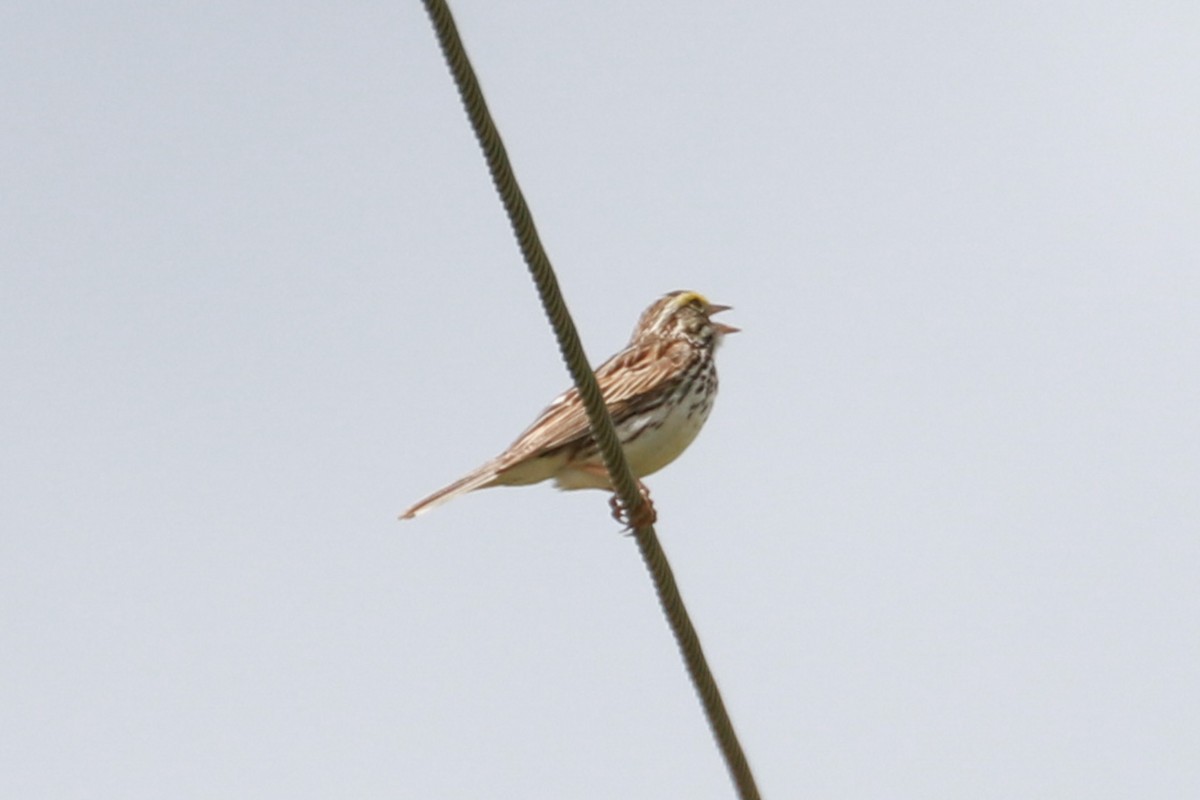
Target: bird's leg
(645,515)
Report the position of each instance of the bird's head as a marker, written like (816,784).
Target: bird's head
(683,315)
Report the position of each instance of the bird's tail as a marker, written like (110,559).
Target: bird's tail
(479,479)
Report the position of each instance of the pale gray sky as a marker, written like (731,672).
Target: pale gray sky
(940,536)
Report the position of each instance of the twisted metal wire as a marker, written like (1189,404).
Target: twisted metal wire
(581,372)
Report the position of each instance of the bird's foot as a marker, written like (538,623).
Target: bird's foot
(643,517)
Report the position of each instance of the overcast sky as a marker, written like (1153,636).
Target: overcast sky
(257,296)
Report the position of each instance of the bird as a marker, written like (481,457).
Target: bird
(659,390)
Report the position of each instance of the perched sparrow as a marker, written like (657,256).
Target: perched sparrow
(659,391)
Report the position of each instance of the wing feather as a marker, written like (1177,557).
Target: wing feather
(624,379)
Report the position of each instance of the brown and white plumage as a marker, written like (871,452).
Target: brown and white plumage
(659,390)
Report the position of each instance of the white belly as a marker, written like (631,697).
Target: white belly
(653,440)
(666,435)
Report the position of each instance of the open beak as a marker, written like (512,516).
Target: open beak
(722,327)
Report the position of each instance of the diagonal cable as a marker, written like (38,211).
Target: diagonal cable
(581,372)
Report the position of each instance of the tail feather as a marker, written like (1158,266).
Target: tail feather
(479,479)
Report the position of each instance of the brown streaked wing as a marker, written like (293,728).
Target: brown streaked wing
(624,378)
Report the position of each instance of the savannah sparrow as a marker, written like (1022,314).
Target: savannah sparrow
(659,390)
